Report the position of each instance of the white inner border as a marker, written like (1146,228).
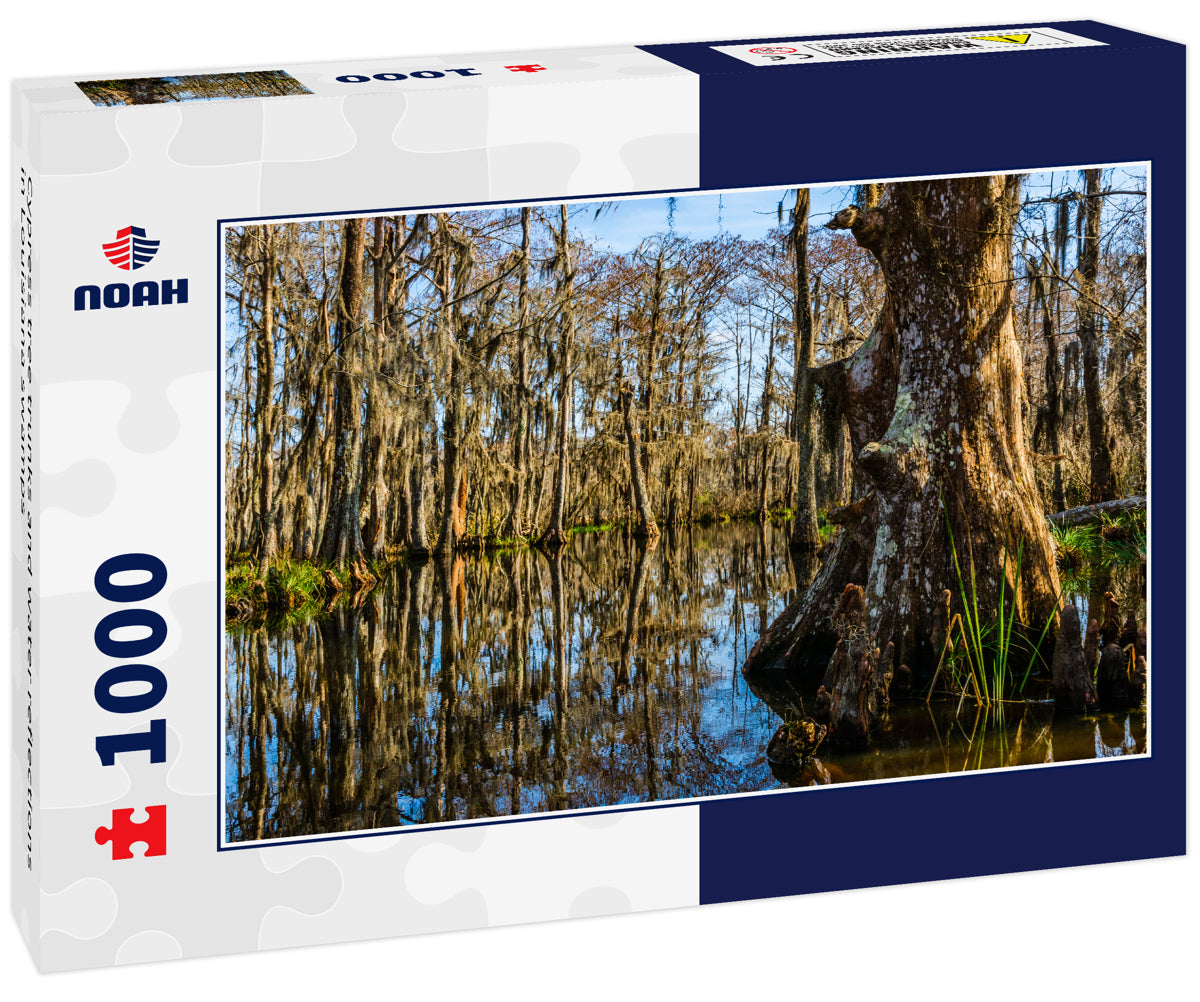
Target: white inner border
(658,804)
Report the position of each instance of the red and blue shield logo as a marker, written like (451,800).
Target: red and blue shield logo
(131,249)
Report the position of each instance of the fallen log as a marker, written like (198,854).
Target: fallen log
(1092,512)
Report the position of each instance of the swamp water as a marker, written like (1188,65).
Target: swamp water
(520,682)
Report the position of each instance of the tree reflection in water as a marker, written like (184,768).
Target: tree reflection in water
(523,681)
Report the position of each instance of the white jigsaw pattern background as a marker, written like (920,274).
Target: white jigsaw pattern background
(128,456)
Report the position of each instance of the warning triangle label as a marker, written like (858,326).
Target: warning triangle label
(1014,39)
(815,51)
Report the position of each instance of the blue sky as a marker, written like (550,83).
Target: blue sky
(752,213)
(746,213)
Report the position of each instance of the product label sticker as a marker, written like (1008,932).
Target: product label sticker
(829,50)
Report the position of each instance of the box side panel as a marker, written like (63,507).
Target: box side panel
(26,858)
(1018,820)
(303,83)
(132,447)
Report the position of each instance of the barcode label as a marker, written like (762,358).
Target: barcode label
(828,50)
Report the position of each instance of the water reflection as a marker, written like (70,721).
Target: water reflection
(920,740)
(523,682)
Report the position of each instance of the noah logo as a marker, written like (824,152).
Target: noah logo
(131,250)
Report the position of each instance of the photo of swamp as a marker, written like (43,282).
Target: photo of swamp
(195,87)
(551,507)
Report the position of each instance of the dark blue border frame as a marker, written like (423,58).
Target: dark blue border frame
(1121,102)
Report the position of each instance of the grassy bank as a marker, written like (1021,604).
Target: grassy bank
(1115,541)
(297,586)
(305,587)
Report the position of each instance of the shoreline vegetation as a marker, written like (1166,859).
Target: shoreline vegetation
(1083,538)
(308,587)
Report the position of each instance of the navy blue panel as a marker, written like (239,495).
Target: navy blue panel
(918,116)
(700,57)
(858,120)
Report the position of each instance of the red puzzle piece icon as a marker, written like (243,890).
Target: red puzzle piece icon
(124,832)
(526,68)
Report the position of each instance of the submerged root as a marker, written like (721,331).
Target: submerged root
(1074,691)
(1121,672)
(857,682)
(795,742)
(1112,653)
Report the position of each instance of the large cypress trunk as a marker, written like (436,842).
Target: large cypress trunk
(933,404)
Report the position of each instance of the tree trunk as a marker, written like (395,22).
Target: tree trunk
(452,407)
(1100,444)
(933,402)
(805,534)
(514,528)
(764,428)
(555,534)
(375,425)
(341,539)
(452,523)
(1054,409)
(264,407)
(647,528)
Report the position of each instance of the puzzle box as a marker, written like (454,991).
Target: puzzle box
(468,490)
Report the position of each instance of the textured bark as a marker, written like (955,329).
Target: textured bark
(341,539)
(649,360)
(265,408)
(805,534)
(374,454)
(646,527)
(418,537)
(933,404)
(452,408)
(856,684)
(764,430)
(514,527)
(1053,412)
(1100,442)
(555,534)
(452,523)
